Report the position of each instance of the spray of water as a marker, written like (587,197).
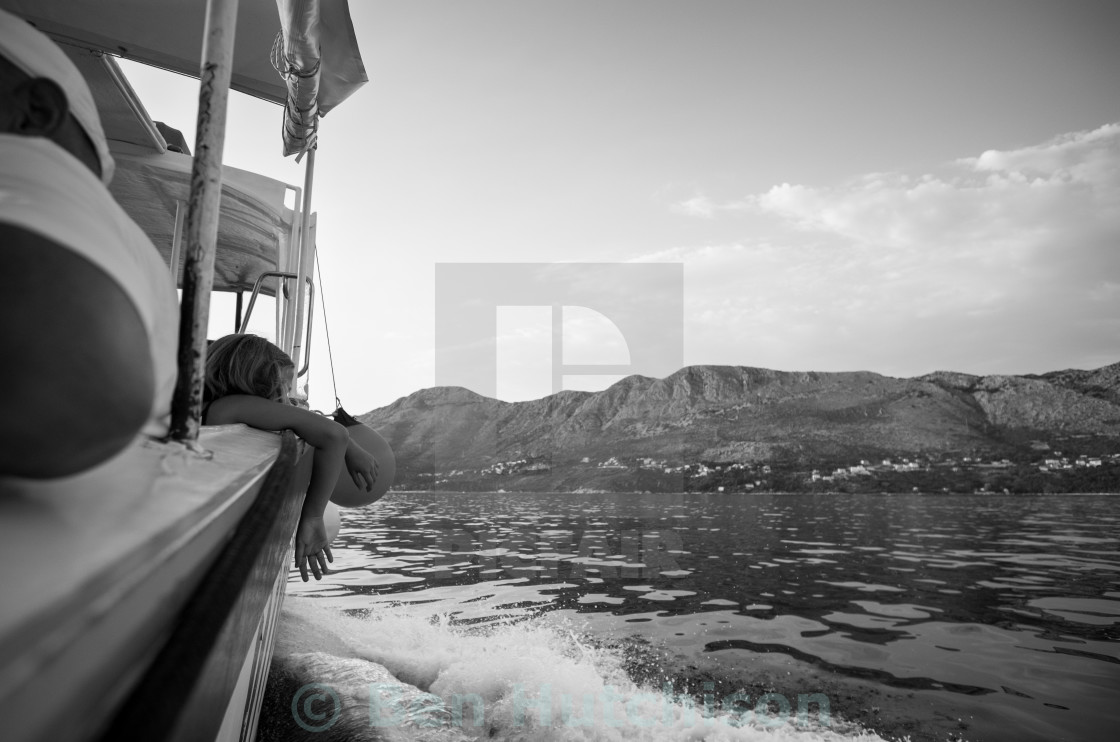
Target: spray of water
(407,673)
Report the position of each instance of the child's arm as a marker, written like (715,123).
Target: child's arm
(330,441)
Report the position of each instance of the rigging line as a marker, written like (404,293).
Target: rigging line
(327,328)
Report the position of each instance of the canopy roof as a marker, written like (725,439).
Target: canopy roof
(255,227)
(299,53)
(123,117)
(169,33)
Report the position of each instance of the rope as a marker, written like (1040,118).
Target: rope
(327,328)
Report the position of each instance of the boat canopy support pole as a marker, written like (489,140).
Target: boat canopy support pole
(177,240)
(202,216)
(306,261)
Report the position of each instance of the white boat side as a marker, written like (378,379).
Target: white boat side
(106,564)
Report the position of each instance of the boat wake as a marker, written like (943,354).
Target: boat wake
(409,673)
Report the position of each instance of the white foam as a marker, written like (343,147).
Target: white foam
(538,680)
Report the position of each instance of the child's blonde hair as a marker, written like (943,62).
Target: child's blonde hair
(246,364)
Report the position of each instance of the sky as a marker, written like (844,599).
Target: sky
(891,186)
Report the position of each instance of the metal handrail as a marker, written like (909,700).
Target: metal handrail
(310,310)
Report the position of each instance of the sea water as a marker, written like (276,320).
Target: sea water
(510,616)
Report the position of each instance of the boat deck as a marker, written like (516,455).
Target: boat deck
(98,567)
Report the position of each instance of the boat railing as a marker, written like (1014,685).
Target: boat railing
(259,284)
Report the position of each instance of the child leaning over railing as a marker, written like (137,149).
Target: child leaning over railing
(247,381)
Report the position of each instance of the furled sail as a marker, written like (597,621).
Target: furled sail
(315,53)
(295,56)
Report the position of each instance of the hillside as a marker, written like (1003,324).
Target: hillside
(747,416)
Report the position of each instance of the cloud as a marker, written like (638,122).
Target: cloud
(1020,198)
(1009,261)
(699,205)
(703,207)
(996,197)
(1079,154)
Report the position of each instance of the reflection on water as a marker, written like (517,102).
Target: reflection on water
(1015,597)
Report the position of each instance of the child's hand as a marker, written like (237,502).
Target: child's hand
(312,546)
(363,468)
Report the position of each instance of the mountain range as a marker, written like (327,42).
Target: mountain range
(751,416)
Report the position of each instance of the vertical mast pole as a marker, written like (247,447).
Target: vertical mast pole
(202,216)
(306,261)
(177,240)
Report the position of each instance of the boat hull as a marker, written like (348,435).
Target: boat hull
(154,583)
